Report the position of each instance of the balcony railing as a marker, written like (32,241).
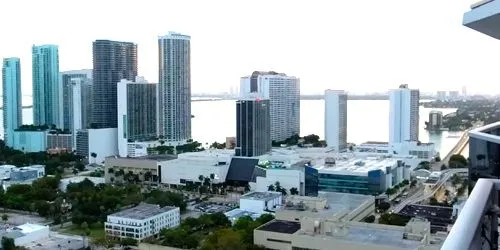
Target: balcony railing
(477,225)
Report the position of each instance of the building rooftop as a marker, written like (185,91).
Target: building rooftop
(439,217)
(345,202)
(149,157)
(237,213)
(376,143)
(281,226)
(28,228)
(263,196)
(366,234)
(327,204)
(142,211)
(357,165)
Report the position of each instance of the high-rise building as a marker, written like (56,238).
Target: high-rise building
(47,95)
(283,93)
(113,61)
(174,88)
(12,103)
(454,95)
(77,99)
(336,119)
(253,127)
(403,116)
(136,113)
(441,95)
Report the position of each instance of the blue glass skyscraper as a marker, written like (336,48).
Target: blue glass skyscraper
(47,106)
(11,89)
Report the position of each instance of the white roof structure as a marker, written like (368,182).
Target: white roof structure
(28,228)
(358,165)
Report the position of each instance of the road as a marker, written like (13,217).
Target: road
(422,195)
(457,149)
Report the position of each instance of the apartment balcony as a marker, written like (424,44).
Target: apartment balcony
(484,17)
(477,225)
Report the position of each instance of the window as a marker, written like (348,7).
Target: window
(280,241)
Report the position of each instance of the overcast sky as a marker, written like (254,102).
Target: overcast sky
(360,46)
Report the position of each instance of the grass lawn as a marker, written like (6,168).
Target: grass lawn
(95,233)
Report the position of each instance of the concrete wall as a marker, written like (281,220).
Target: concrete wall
(103,142)
(175,170)
(273,240)
(258,206)
(288,178)
(129,164)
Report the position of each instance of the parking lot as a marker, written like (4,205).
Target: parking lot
(211,208)
(58,241)
(19,219)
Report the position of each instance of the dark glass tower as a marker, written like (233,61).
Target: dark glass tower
(112,61)
(253,127)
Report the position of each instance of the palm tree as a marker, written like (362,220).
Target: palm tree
(147,176)
(93,155)
(200,178)
(212,178)
(5,218)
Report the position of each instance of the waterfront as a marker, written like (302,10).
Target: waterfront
(367,120)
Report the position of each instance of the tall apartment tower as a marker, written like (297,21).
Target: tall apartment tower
(136,113)
(47,95)
(77,99)
(253,127)
(336,119)
(174,88)
(12,103)
(283,93)
(113,61)
(403,116)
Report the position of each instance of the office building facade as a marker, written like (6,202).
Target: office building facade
(174,88)
(47,95)
(141,222)
(283,93)
(12,102)
(77,99)
(404,114)
(136,113)
(336,119)
(113,61)
(253,127)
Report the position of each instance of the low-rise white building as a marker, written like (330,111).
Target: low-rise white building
(189,166)
(259,202)
(27,233)
(141,222)
(5,171)
(421,151)
(255,204)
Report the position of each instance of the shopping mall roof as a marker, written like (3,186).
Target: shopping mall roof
(359,166)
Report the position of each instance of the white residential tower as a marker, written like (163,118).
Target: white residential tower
(283,93)
(174,88)
(403,116)
(336,119)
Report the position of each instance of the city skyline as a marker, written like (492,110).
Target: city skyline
(420,52)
